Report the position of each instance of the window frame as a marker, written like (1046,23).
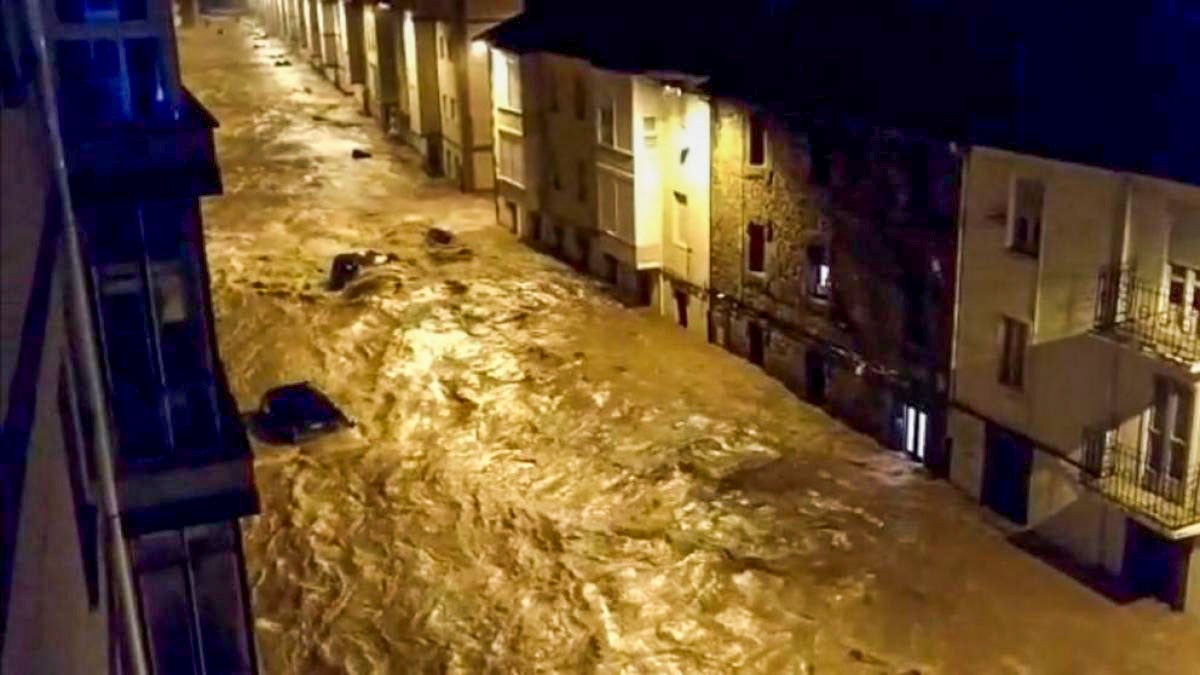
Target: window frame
(510,159)
(813,281)
(759,138)
(760,228)
(1025,241)
(606,127)
(1014,335)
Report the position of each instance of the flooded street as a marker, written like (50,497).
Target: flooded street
(543,480)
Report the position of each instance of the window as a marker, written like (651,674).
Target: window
(555,176)
(1168,428)
(1183,297)
(820,161)
(1014,336)
(580,99)
(453,108)
(757,124)
(1025,229)
(819,286)
(679,223)
(614,204)
(650,131)
(552,91)
(508,94)
(913,433)
(511,159)
(91,11)
(581,178)
(918,160)
(756,249)
(443,47)
(606,131)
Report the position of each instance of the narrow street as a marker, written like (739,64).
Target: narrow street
(543,480)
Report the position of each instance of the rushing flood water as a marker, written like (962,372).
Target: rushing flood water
(542,480)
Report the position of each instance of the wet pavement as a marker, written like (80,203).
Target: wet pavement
(543,480)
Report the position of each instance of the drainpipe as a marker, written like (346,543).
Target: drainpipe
(963,194)
(80,315)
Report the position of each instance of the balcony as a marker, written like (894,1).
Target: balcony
(1142,314)
(1161,494)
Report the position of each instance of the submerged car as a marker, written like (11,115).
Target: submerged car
(296,413)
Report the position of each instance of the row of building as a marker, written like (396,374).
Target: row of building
(940,229)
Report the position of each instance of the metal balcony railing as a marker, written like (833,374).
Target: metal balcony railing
(1140,312)
(1165,494)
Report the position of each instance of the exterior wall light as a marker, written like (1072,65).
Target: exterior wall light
(478,48)
(671,90)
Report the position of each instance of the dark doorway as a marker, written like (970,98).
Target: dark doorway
(1007,463)
(535,225)
(514,218)
(681,308)
(814,376)
(1154,566)
(754,334)
(610,269)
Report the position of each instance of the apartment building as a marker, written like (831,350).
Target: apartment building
(608,169)
(1076,361)
(126,464)
(832,264)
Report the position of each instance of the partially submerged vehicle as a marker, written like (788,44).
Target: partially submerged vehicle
(296,413)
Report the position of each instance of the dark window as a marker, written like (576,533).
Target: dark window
(758,139)
(552,91)
(1028,200)
(757,339)
(18,63)
(147,85)
(1014,336)
(681,308)
(919,178)
(756,247)
(133,10)
(581,187)
(821,164)
(580,98)
(69,11)
(916,329)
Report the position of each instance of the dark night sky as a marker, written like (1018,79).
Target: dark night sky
(1116,86)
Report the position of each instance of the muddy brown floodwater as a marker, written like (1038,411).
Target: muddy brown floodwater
(543,480)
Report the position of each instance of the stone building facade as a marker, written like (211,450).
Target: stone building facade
(832,265)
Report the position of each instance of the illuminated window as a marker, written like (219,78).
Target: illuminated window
(1014,335)
(508,88)
(756,247)
(1025,226)
(758,139)
(819,285)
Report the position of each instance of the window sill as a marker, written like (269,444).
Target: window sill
(755,171)
(614,148)
(508,109)
(1022,253)
(511,181)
